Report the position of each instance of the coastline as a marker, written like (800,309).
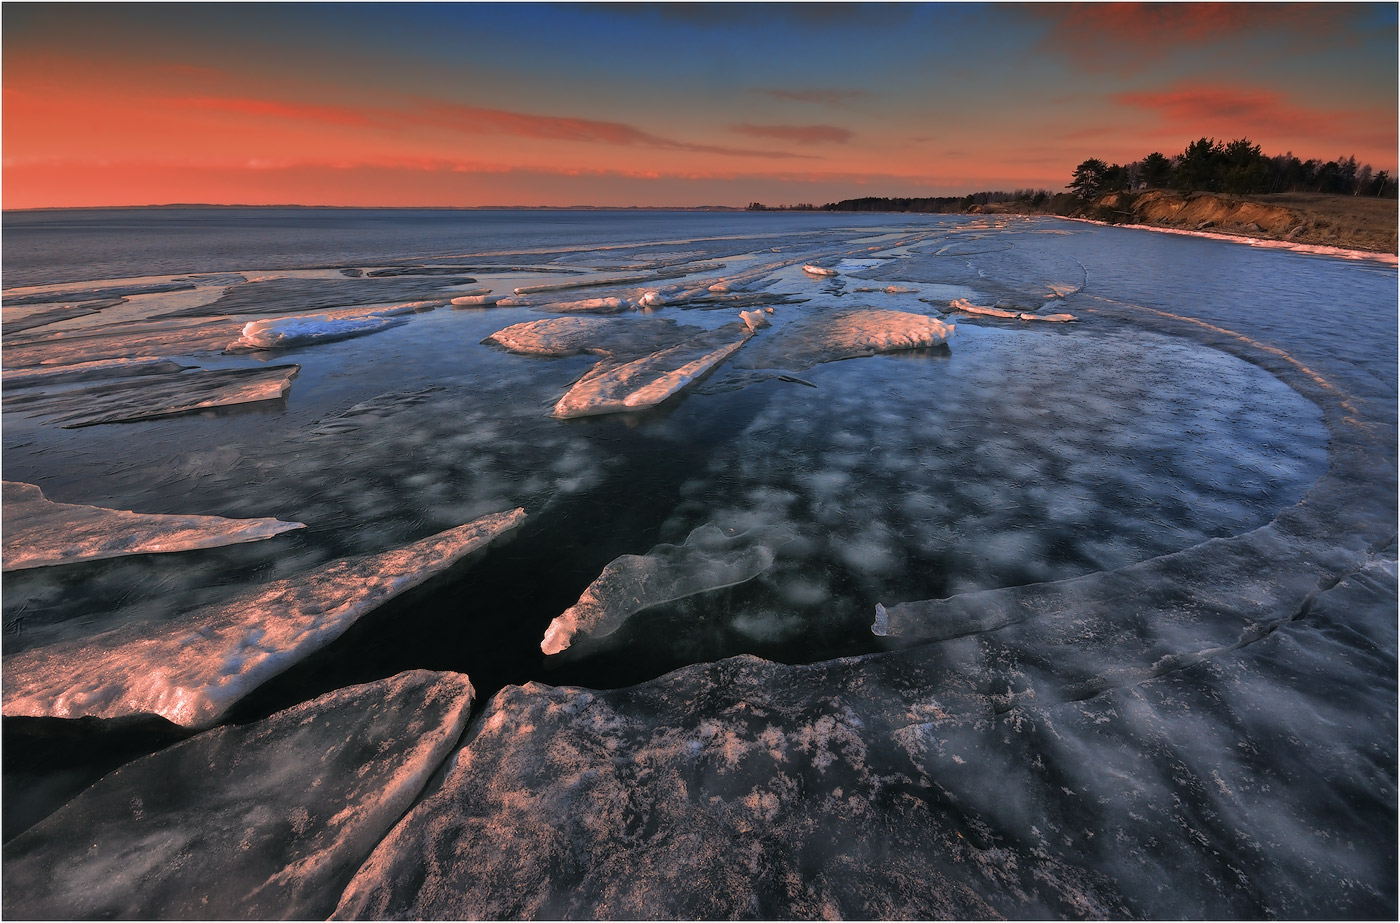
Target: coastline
(1348,253)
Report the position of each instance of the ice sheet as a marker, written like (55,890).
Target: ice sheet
(192,669)
(293,295)
(39,532)
(709,559)
(589,306)
(259,821)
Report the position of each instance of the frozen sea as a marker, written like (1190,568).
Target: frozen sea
(1105,606)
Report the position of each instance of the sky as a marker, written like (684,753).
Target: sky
(523,104)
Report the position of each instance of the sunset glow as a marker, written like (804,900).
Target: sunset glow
(524,104)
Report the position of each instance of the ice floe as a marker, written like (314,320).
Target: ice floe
(105,293)
(617,387)
(812,270)
(192,669)
(570,336)
(260,821)
(845,335)
(967,307)
(709,559)
(42,533)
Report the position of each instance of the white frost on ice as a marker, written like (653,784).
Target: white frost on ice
(41,533)
(708,560)
(193,669)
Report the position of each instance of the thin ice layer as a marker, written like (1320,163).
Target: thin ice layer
(613,387)
(260,821)
(152,396)
(845,335)
(40,532)
(191,670)
(709,559)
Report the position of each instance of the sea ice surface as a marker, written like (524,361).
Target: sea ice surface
(845,335)
(192,669)
(569,336)
(40,532)
(258,821)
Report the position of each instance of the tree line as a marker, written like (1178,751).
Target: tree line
(1237,167)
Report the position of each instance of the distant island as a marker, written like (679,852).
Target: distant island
(1224,187)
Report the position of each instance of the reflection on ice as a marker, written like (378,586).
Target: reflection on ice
(191,670)
(41,533)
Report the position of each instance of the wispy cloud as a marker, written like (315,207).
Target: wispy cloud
(474,120)
(802,134)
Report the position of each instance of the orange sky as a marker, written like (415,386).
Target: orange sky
(481,104)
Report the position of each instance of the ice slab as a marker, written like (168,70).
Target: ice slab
(818,270)
(192,669)
(590,306)
(845,335)
(42,533)
(888,289)
(617,387)
(152,396)
(293,295)
(599,283)
(260,821)
(571,336)
(709,559)
(1050,318)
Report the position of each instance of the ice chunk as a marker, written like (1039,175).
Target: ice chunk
(888,289)
(475,301)
(570,336)
(1052,318)
(259,821)
(844,335)
(284,332)
(708,560)
(616,387)
(155,395)
(754,320)
(818,270)
(40,532)
(590,306)
(192,669)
